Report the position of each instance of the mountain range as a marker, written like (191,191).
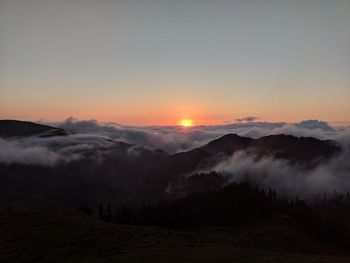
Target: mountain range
(125,173)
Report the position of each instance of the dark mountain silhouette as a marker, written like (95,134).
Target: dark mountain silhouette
(125,173)
(227,144)
(203,157)
(14,128)
(305,152)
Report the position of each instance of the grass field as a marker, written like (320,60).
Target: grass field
(56,236)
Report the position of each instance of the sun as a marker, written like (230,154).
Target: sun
(186,123)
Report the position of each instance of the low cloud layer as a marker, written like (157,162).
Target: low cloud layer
(50,151)
(89,134)
(175,138)
(15,152)
(92,136)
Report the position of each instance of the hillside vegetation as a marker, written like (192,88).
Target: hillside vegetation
(57,236)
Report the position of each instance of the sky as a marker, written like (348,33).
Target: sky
(155,62)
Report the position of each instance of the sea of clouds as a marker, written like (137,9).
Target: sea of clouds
(93,136)
(176,138)
(85,135)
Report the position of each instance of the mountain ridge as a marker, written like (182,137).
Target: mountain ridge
(126,173)
(16,128)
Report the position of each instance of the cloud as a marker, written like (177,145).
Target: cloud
(175,139)
(50,151)
(13,152)
(248,119)
(93,136)
(315,124)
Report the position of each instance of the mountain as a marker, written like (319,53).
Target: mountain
(117,172)
(14,128)
(227,144)
(305,152)
(182,173)
(303,149)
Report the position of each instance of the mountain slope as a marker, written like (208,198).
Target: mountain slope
(305,152)
(14,128)
(227,144)
(56,236)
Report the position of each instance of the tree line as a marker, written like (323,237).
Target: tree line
(237,204)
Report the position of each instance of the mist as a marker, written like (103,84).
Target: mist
(291,181)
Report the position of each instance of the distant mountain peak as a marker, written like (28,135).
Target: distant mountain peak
(227,144)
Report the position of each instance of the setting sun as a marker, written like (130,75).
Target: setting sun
(186,123)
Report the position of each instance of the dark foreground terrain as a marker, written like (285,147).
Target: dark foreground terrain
(57,236)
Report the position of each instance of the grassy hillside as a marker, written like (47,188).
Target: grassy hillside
(56,236)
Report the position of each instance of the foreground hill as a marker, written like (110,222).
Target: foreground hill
(56,236)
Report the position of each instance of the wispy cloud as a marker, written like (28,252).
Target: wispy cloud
(248,119)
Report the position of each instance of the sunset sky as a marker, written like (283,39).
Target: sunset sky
(155,62)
